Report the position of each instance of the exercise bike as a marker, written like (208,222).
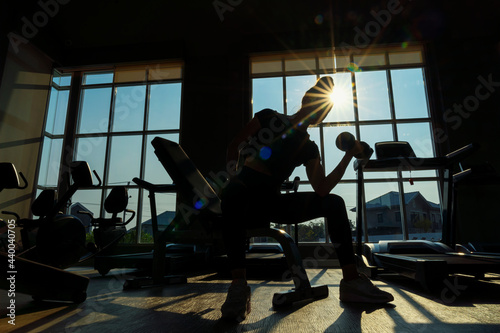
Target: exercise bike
(56,239)
(109,231)
(20,275)
(59,240)
(9,180)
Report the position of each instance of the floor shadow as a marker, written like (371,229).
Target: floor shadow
(350,319)
(457,290)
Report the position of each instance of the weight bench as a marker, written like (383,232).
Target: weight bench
(193,188)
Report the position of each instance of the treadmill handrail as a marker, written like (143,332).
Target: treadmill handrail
(402,164)
(416,163)
(157,188)
(462,153)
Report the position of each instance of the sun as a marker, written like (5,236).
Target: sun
(340,96)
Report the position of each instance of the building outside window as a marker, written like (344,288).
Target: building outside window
(379,96)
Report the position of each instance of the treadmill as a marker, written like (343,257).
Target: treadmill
(427,262)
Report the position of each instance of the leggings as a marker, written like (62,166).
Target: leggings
(254,204)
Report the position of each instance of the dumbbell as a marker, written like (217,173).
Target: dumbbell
(345,141)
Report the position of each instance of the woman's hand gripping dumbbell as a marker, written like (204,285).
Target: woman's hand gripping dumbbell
(346,142)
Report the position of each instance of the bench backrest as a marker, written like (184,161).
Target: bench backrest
(190,183)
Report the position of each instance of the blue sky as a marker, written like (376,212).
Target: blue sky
(372,92)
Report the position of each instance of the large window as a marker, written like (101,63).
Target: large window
(378,96)
(120,110)
(55,124)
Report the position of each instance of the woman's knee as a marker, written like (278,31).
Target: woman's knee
(333,200)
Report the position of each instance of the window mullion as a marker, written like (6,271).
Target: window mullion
(107,150)
(285,102)
(69,140)
(142,167)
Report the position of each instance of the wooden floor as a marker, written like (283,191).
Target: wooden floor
(466,305)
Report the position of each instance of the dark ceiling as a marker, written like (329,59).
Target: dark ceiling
(93,31)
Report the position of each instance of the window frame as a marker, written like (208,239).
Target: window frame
(153,76)
(319,56)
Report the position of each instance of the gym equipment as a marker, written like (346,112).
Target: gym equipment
(60,239)
(428,263)
(193,187)
(390,149)
(109,231)
(9,179)
(20,275)
(158,276)
(477,239)
(345,141)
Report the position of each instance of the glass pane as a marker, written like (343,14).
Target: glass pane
(333,155)
(154,171)
(164,72)
(130,75)
(372,134)
(62,80)
(370,60)
(383,211)
(86,201)
(129,108)
(267,93)
(124,160)
(300,65)
(373,96)
(164,106)
(326,63)
(97,78)
(56,114)
(419,136)
(165,206)
(423,211)
(94,112)
(266,67)
(342,62)
(296,87)
(93,151)
(50,162)
(408,87)
(398,58)
(343,100)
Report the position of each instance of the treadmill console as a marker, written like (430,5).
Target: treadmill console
(391,149)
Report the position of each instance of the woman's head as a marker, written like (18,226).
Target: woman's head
(316,102)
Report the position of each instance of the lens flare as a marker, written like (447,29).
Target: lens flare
(265,153)
(199,204)
(353,67)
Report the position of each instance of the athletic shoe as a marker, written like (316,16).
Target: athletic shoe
(363,290)
(237,305)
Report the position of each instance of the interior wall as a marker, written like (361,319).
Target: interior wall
(23,97)
(215,107)
(464,41)
(468,64)
(4,46)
